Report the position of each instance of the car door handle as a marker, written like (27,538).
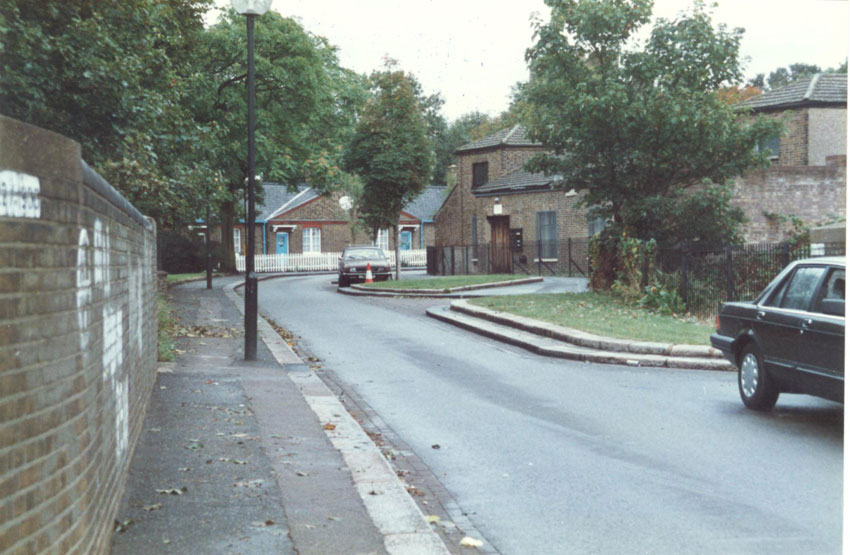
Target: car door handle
(760,315)
(805,324)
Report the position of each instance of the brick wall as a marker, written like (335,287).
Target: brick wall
(816,194)
(77,343)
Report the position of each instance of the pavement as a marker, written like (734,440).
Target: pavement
(262,456)
(256,457)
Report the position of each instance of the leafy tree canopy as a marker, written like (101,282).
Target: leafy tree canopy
(306,106)
(640,128)
(109,74)
(390,149)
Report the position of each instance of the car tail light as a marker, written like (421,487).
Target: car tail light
(717,322)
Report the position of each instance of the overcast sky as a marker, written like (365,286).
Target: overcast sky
(471,51)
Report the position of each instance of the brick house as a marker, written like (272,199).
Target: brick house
(503,213)
(304,221)
(808,175)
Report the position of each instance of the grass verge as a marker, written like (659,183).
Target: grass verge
(181,277)
(602,315)
(443,283)
(166,329)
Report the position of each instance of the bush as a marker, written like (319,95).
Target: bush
(662,300)
(637,263)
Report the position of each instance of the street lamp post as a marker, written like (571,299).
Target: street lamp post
(250,9)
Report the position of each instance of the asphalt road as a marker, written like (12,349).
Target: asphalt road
(553,456)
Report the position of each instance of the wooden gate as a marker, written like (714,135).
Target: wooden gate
(500,244)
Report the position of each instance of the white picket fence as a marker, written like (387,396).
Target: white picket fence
(319,261)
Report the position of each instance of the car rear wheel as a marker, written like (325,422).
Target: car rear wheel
(758,391)
(343,282)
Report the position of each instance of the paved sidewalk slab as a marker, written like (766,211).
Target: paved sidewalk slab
(260,474)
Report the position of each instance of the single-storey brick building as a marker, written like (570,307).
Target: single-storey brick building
(306,221)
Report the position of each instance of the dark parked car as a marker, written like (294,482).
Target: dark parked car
(790,339)
(352,264)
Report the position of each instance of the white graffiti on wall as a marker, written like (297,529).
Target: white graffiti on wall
(94,284)
(19,195)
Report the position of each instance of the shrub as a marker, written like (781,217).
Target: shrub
(662,300)
(637,263)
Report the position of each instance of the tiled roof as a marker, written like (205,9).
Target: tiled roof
(278,198)
(426,205)
(513,136)
(823,88)
(518,181)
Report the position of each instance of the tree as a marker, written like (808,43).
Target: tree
(641,131)
(306,107)
(390,151)
(110,75)
(351,186)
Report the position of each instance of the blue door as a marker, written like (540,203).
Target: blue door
(282,243)
(406,240)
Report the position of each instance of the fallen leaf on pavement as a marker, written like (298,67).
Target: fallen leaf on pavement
(173,491)
(121,527)
(414,491)
(471,542)
(435,446)
(249,484)
(302,473)
(329,426)
(154,507)
(432,519)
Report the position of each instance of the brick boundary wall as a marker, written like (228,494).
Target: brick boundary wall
(815,194)
(78,334)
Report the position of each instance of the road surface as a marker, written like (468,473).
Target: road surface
(554,456)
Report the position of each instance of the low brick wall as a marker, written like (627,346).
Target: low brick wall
(815,194)
(77,343)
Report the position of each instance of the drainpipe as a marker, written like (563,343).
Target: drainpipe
(264,238)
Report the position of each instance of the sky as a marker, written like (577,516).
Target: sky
(472,51)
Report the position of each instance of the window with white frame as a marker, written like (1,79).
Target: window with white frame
(311,240)
(383,239)
(237,240)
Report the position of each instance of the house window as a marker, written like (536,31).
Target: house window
(770,145)
(547,234)
(480,174)
(383,239)
(311,240)
(237,240)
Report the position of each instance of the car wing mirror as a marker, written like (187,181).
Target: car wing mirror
(833,307)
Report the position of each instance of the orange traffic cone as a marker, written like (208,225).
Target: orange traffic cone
(369,273)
